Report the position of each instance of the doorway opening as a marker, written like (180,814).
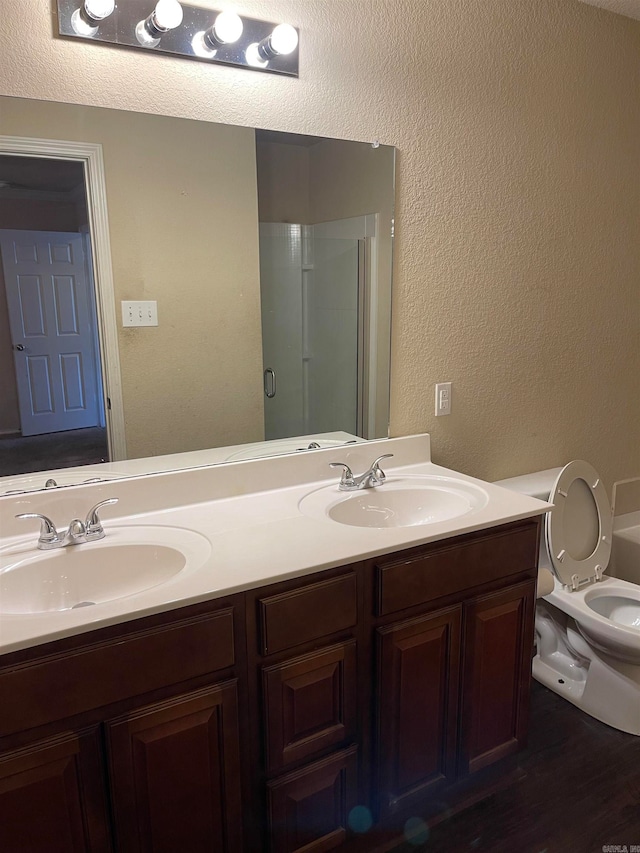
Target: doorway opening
(51,386)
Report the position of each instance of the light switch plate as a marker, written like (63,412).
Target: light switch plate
(140,313)
(443,399)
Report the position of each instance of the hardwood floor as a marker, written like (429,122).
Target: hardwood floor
(53,450)
(580,794)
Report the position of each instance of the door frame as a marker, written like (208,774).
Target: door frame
(90,155)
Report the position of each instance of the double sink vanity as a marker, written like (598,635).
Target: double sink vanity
(253,659)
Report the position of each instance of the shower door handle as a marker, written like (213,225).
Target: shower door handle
(270,383)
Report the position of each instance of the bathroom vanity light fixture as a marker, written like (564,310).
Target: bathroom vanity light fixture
(180,29)
(87,19)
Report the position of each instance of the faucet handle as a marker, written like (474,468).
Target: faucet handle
(347,473)
(93,525)
(48,532)
(376,470)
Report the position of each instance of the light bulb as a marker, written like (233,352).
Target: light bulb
(168,14)
(227,27)
(253,57)
(284,39)
(86,20)
(99,9)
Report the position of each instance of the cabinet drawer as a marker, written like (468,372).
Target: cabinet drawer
(445,569)
(310,704)
(53,688)
(309,809)
(308,613)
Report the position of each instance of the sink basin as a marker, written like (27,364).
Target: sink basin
(399,502)
(129,560)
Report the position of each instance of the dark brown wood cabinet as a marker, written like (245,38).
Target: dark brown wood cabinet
(306,663)
(310,705)
(418,678)
(260,721)
(175,768)
(453,683)
(130,738)
(52,796)
(308,810)
(495,696)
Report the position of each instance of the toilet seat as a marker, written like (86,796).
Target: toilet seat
(579,528)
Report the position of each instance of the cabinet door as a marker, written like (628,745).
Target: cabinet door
(175,774)
(497,674)
(310,705)
(309,808)
(419,669)
(52,798)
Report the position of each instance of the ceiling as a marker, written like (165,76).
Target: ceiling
(631,8)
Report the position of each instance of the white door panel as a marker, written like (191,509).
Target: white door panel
(51,329)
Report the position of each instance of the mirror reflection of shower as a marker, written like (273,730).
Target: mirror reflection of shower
(317,285)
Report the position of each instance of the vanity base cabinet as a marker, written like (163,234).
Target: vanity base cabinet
(175,768)
(271,720)
(52,798)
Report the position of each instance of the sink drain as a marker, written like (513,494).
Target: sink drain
(82,604)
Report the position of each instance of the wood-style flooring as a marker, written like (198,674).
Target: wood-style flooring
(25,455)
(581,792)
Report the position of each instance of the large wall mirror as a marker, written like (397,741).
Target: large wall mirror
(266,258)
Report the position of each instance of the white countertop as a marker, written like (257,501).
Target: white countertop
(249,515)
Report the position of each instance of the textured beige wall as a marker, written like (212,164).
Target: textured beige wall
(195,381)
(517,254)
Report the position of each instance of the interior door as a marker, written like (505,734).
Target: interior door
(52,330)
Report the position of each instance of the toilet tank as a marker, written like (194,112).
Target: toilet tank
(536,485)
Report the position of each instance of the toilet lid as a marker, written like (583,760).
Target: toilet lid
(579,528)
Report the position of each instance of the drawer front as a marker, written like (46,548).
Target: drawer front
(61,686)
(309,613)
(310,704)
(448,569)
(308,810)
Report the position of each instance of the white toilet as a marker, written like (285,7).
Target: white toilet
(588,626)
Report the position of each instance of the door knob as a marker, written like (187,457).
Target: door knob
(20,347)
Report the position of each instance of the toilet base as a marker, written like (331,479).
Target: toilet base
(604,688)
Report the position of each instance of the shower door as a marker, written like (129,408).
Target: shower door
(312,292)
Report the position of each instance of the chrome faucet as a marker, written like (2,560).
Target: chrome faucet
(89,530)
(375,476)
